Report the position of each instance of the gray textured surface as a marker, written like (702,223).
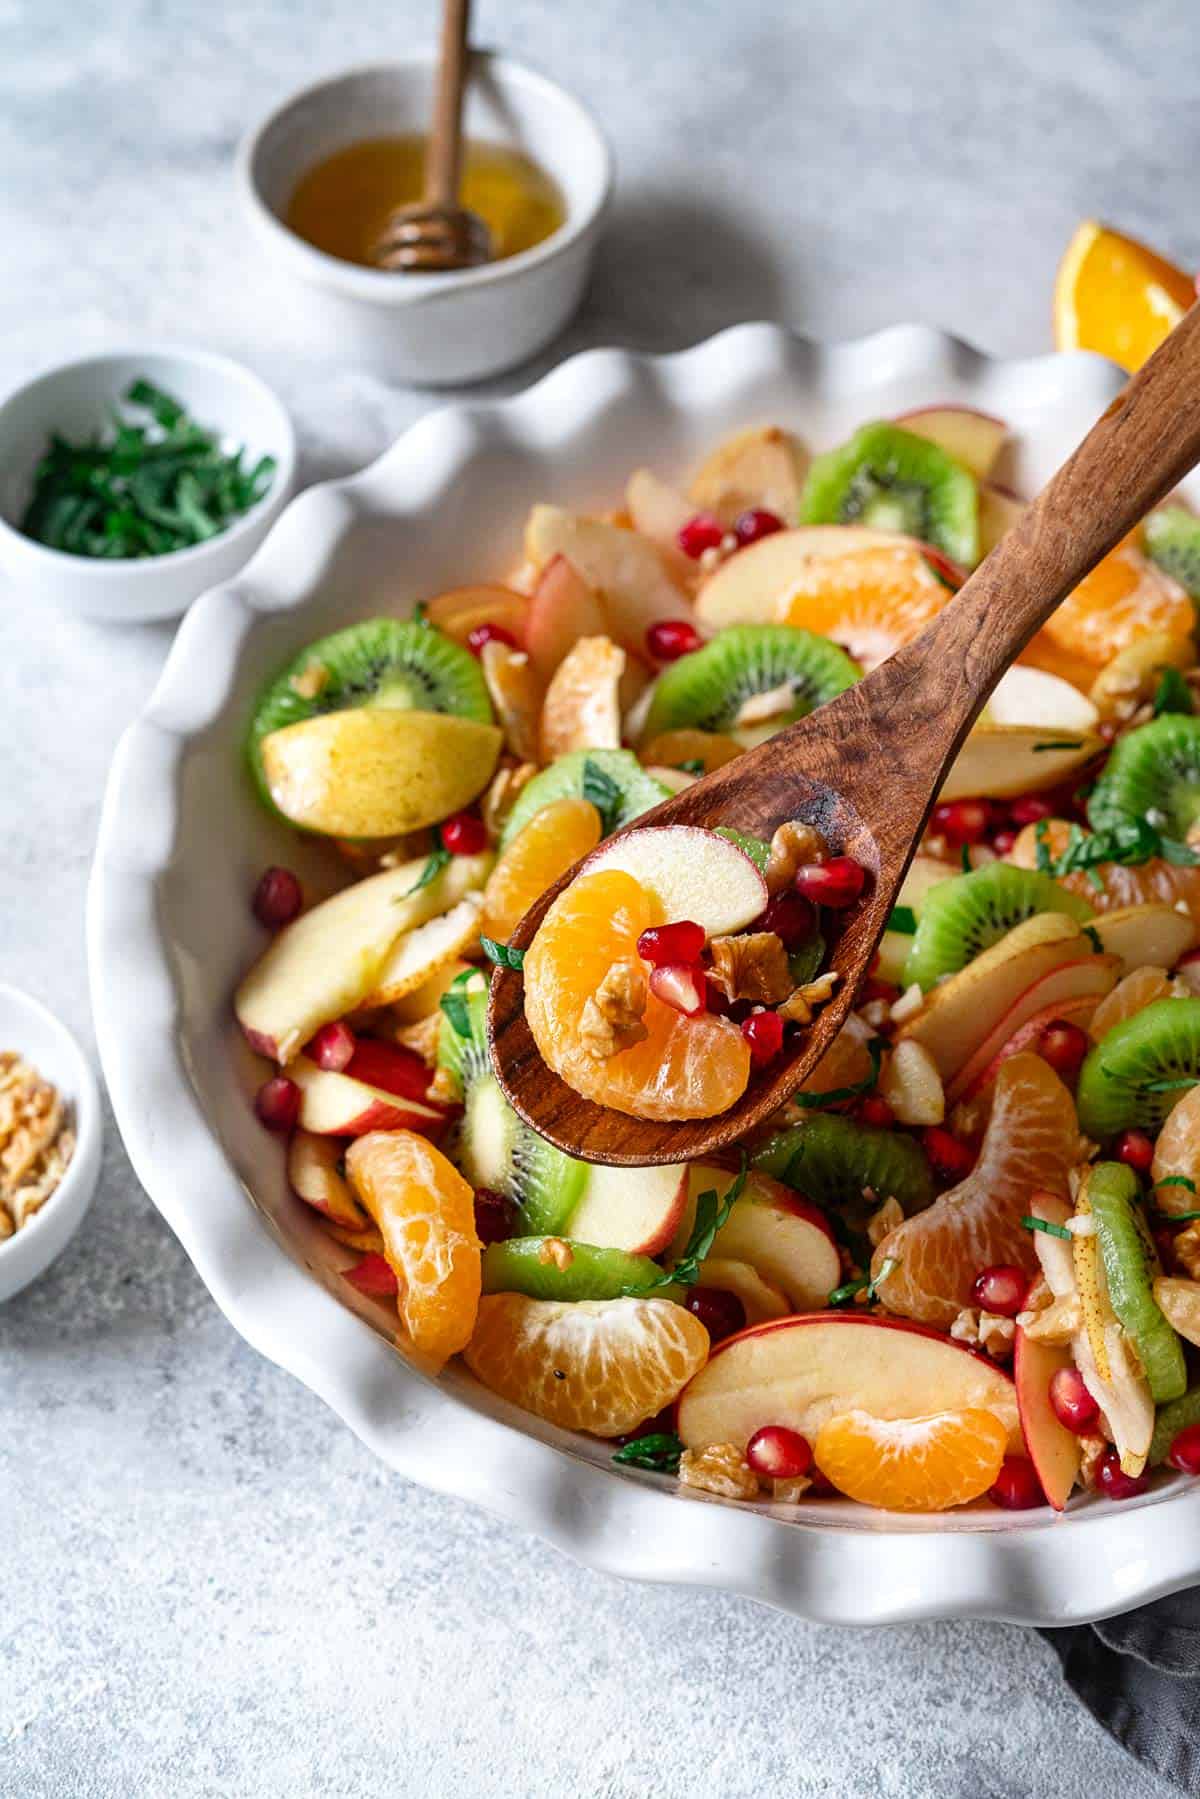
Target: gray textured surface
(207,1587)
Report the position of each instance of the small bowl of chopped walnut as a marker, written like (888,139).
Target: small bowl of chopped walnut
(49,1138)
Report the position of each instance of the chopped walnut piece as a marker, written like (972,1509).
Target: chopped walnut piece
(881,1223)
(554,1252)
(719,1469)
(996,1335)
(1091,1449)
(611,1020)
(516,693)
(965,1328)
(310,681)
(1054,1323)
(909,1004)
(36,1141)
(801,1003)
(793,846)
(753,966)
(1187,1249)
(790,1492)
(501,796)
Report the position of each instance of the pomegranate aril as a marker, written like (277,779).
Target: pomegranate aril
(494,1216)
(1113,1481)
(949,1156)
(277,898)
(703,532)
(479,635)
(874,988)
(465,834)
(668,943)
(757,522)
(1164,1243)
(1003,841)
(333,1047)
(962,821)
(373,1276)
(672,638)
(1030,809)
(721,1313)
(681,985)
(876,1111)
(1002,1289)
(1184,1452)
(779,1453)
(1071,1402)
(1136,1150)
(763,1031)
(277,1103)
(1017,1487)
(1064,1046)
(835,883)
(792,919)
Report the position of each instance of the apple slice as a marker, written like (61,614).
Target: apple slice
(1004,760)
(660,512)
(786,1239)
(1145,935)
(754,586)
(419,955)
(392,1066)
(999,511)
(635,1209)
(624,568)
(693,874)
(803,1370)
(325,964)
(562,609)
(337,1105)
(458,611)
(1072,984)
(1053,1449)
(974,439)
(1066,1011)
(1031,696)
(378,772)
(313,1167)
(760,1300)
(762,468)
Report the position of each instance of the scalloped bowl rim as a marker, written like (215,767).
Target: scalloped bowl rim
(829,1563)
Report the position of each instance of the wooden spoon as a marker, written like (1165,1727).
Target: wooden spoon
(437,234)
(865,768)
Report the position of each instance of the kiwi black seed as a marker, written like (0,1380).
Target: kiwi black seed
(849,1167)
(708,688)
(1172,539)
(614,779)
(1139,1069)
(892,480)
(965,915)
(1152,774)
(382,663)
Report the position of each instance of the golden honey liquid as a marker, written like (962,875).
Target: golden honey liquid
(342,205)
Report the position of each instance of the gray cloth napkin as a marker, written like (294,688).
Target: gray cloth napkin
(1139,1676)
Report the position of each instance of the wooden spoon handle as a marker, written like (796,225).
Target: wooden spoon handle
(443,166)
(1135,454)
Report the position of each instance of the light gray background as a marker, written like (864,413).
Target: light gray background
(207,1587)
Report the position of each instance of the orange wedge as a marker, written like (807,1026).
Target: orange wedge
(683,1067)
(912,1464)
(554,839)
(1115,296)
(597,1365)
(1123,599)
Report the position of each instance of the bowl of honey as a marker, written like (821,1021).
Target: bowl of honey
(320,176)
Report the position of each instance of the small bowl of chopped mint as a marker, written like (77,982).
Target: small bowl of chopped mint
(132,481)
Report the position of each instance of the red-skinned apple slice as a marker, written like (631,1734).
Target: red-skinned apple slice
(783,1236)
(1087,980)
(392,1066)
(693,873)
(974,439)
(336,1105)
(316,1177)
(624,568)
(1067,1011)
(1053,1449)
(635,1209)
(800,1371)
(759,1298)
(562,609)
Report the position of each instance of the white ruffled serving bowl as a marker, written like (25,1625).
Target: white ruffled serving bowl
(183,840)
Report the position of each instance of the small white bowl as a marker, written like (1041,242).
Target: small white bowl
(26,1026)
(77,399)
(433,330)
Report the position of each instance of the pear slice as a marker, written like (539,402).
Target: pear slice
(1004,760)
(623,567)
(1145,935)
(762,468)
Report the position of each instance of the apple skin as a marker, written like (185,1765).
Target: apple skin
(634,1209)
(562,609)
(391,1066)
(336,1105)
(973,438)
(1070,1011)
(312,1167)
(1053,1449)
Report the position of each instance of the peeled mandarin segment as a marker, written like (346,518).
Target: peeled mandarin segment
(425,1212)
(1117,297)
(1177,1153)
(595,1365)
(554,839)
(683,1068)
(1031,1141)
(870,603)
(460,610)
(1124,597)
(1156,882)
(1130,996)
(671,749)
(912,1464)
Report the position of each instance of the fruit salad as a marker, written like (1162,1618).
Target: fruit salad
(963,1263)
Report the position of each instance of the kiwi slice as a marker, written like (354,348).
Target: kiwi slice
(1137,1071)
(1178,1414)
(1152,774)
(1129,1268)
(708,688)
(965,915)
(831,1160)
(381,662)
(614,780)
(895,481)
(522,1265)
(1172,540)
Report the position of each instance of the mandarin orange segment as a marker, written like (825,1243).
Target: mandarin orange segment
(1156,882)
(671,749)
(462,610)
(597,1365)
(683,1068)
(870,602)
(1139,989)
(1117,297)
(425,1212)
(1031,1141)
(912,1464)
(554,839)
(1123,598)
(1177,1157)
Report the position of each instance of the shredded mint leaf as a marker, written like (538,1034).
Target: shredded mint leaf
(902,918)
(1093,937)
(1059,743)
(964,856)
(456,1005)
(1178,1217)
(1174,694)
(1177,1086)
(864,1284)
(693,766)
(1131,843)
(754,847)
(438,859)
(501,954)
(602,791)
(660,1453)
(815,1102)
(421,613)
(711,1213)
(1176,1180)
(1051,1230)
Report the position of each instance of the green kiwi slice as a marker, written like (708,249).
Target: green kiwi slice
(1178,1414)
(614,780)
(708,688)
(891,479)
(381,662)
(1152,774)
(833,1161)
(1129,1268)
(1137,1071)
(1172,540)
(965,915)
(517,1266)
